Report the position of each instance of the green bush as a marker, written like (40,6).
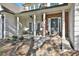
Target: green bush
(14,38)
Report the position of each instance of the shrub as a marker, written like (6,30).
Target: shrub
(14,38)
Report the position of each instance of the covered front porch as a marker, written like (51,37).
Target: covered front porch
(45,22)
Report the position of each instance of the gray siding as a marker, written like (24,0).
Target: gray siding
(76,27)
(0,28)
(10,26)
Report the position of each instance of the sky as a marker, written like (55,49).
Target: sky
(19,4)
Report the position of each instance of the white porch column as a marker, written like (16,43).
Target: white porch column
(6,30)
(58,24)
(0,26)
(17,26)
(44,19)
(34,25)
(63,22)
(49,25)
(63,29)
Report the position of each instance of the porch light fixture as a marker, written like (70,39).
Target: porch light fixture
(25,29)
(41,29)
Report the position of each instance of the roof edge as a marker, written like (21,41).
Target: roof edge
(7,10)
(45,8)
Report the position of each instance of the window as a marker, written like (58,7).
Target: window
(36,6)
(30,26)
(32,7)
(56,25)
(27,8)
(53,4)
(38,27)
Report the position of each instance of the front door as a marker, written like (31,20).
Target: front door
(55,25)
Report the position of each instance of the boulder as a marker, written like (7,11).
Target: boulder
(70,53)
(23,50)
(24,47)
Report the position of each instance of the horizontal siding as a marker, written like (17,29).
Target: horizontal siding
(0,28)
(76,27)
(10,25)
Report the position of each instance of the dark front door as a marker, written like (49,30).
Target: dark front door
(56,25)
